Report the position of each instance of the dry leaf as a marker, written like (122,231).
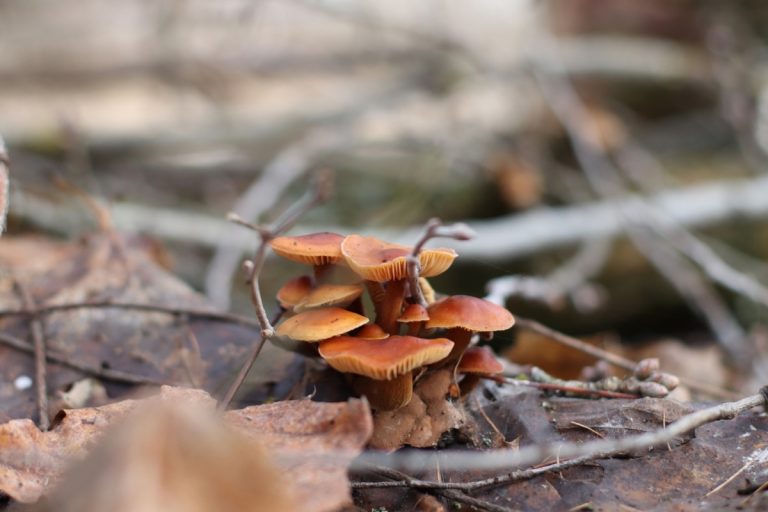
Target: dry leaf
(312,442)
(174,457)
(104,267)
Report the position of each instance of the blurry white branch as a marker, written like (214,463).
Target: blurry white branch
(501,238)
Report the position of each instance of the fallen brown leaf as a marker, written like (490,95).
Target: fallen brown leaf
(311,442)
(105,267)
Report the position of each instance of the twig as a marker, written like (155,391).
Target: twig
(246,368)
(445,490)
(38,340)
(567,280)
(103,373)
(434,228)
(5,164)
(639,217)
(321,189)
(614,359)
(535,231)
(573,452)
(138,306)
(258,198)
(729,479)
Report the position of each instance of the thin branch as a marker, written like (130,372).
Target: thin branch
(535,231)
(639,217)
(582,452)
(570,279)
(246,368)
(434,228)
(96,371)
(38,340)
(320,191)
(398,479)
(138,306)
(609,357)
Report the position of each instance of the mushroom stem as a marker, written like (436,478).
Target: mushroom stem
(320,272)
(461,338)
(414,328)
(469,382)
(376,292)
(385,395)
(392,306)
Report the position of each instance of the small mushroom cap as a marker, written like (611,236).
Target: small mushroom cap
(480,360)
(320,324)
(294,291)
(470,313)
(383,359)
(372,331)
(377,260)
(313,249)
(329,295)
(414,313)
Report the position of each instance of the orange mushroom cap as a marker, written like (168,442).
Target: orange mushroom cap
(320,324)
(313,249)
(294,291)
(470,313)
(413,313)
(480,360)
(377,260)
(372,331)
(329,295)
(383,359)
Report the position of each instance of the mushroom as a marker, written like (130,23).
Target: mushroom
(383,367)
(321,250)
(372,331)
(462,315)
(383,262)
(326,295)
(314,325)
(476,363)
(293,292)
(414,315)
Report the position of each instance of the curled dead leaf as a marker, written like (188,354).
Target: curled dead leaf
(311,443)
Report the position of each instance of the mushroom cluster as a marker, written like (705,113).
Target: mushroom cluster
(372,325)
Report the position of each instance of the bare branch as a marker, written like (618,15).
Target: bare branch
(527,456)
(320,191)
(434,228)
(604,355)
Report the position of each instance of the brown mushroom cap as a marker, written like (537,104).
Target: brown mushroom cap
(383,359)
(377,260)
(480,360)
(313,249)
(294,291)
(413,313)
(469,313)
(372,331)
(320,324)
(329,295)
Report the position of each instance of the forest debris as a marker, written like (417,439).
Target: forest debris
(313,442)
(108,268)
(299,435)
(174,456)
(424,420)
